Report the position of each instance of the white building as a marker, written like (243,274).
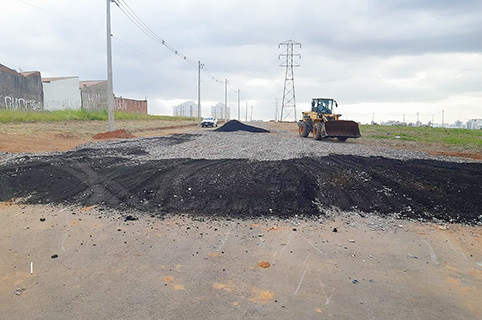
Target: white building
(61,93)
(217,111)
(474,124)
(186,109)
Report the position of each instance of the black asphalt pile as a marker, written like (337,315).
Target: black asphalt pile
(242,188)
(235,125)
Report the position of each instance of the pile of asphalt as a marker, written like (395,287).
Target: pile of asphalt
(246,188)
(235,125)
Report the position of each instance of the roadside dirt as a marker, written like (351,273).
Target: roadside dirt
(116,134)
(105,267)
(63,136)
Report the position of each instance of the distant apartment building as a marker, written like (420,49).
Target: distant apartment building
(61,93)
(218,111)
(20,90)
(186,109)
(474,124)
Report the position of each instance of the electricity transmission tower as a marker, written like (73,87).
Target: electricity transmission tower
(289,100)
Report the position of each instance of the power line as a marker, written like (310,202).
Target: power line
(149,56)
(100,31)
(59,16)
(130,14)
(299,18)
(212,77)
(134,18)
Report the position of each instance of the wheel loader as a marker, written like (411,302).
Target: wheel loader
(324,123)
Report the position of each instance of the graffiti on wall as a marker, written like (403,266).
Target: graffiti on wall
(14,103)
(120,104)
(68,103)
(92,100)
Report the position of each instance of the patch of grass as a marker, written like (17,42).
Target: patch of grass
(7,116)
(462,137)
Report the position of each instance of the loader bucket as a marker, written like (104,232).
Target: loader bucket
(341,129)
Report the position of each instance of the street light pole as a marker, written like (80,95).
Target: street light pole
(225,100)
(199,93)
(239,110)
(110,86)
(246,110)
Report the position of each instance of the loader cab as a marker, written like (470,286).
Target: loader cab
(323,105)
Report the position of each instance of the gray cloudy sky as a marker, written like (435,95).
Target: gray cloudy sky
(374,56)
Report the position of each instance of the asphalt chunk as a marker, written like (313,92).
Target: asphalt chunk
(235,125)
(244,188)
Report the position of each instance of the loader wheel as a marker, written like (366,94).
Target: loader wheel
(303,130)
(317,131)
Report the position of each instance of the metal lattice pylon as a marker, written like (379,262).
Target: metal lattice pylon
(288,105)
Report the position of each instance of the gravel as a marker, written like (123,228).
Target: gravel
(234,145)
(254,146)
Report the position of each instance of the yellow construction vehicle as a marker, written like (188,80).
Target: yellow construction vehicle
(324,123)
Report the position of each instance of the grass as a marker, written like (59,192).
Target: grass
(462,137)
(9,116)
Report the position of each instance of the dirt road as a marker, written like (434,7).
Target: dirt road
(98,249)
(179,268)
(63,136)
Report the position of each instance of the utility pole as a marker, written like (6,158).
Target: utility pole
(404,118)
(289,99)
(443,118)
(246,110)
(418,122)
(239,110)
(225,100)
(199,93)
(110,86)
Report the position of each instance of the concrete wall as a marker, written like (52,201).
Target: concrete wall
(20,91)
(94,95)
(61,93)
(130,105)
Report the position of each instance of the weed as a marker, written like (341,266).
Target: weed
(462,137)
(7,116)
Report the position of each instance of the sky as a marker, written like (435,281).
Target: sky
(380,59)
